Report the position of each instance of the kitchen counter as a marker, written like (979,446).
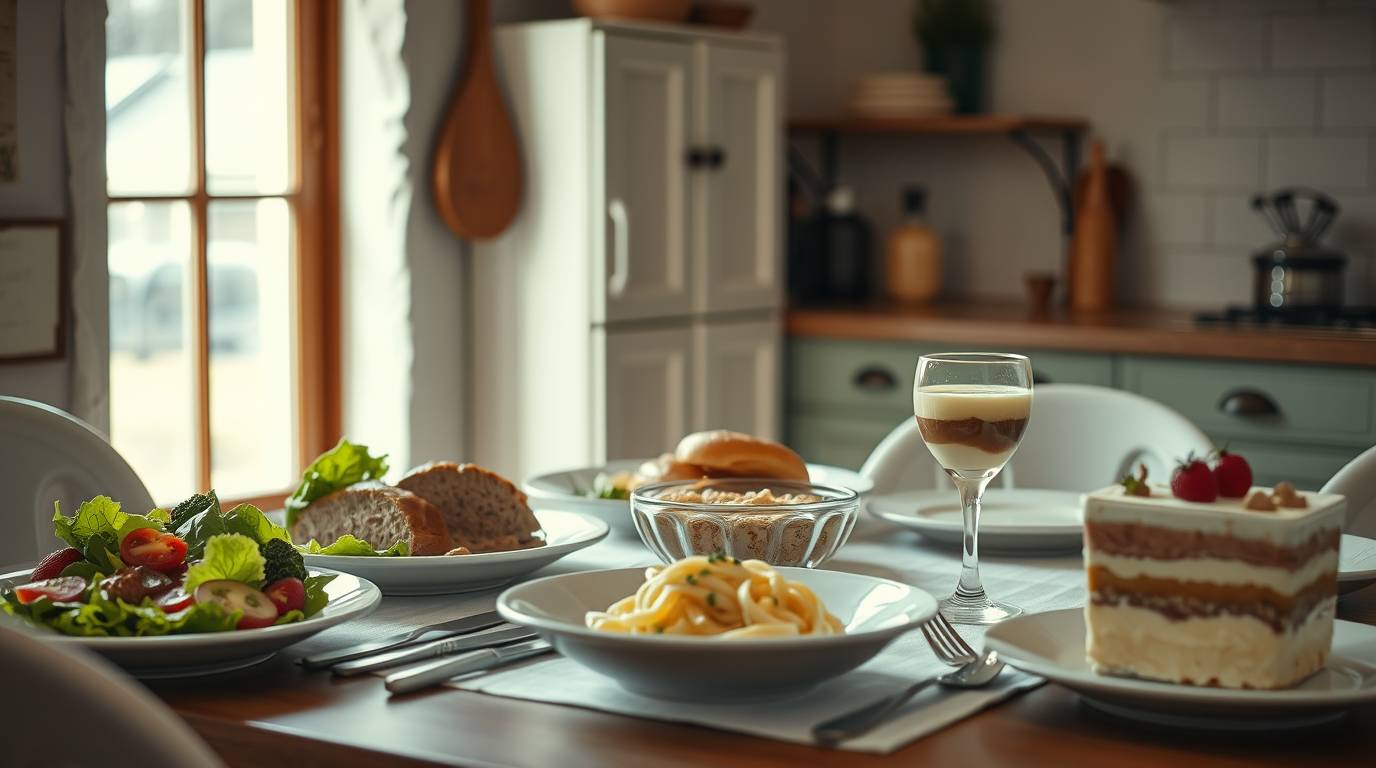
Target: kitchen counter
(985,323)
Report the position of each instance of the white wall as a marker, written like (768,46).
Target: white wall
(1206,102)
(61,76)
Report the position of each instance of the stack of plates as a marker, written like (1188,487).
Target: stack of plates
(899,94)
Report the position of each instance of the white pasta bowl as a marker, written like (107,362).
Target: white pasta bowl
(692,668)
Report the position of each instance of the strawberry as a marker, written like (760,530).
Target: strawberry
(1193,481)
(1233,475)
(52,566)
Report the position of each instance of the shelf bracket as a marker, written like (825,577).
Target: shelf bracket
(1061,178)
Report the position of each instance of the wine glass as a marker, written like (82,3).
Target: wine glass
(972,409)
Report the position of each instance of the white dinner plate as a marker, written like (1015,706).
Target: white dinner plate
(874,610)
(1023,520)
(1356,563)
(1052,645)
(570,489)
(565,532)
(210,652)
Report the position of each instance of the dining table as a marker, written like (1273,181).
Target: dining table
(278,713)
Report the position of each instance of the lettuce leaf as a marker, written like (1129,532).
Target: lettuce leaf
(102,516)
(101,616)
(355,547)
(340,467)
(231,556)
(316,598)
(203,518)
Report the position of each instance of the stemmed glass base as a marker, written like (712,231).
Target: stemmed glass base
(977,608)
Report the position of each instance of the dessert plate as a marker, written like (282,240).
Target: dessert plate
(565,533)
(687,668)
(1025,520)
(571,489)
(1052,645)
(1356,563)
(212,652)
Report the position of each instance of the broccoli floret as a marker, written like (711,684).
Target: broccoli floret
(193,506)
(282,561)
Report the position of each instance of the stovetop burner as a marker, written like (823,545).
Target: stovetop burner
(1338,317)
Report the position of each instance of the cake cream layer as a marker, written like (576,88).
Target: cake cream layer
(958,402)
(1228,651)
(1285,581)
(1209,524)
(1183,598)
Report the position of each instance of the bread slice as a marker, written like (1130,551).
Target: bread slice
(483,510)
(378,514)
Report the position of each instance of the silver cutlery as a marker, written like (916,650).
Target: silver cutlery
(947,643)
(438,631)
(430,673)
(430,650)
(976,674)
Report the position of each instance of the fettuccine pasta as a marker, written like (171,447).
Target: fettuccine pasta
(719,597)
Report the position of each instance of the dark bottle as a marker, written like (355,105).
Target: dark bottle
(846,242)
(806,257)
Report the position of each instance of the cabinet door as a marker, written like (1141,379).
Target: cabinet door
(739,250)
(644,104)
(738,383)
(648,404)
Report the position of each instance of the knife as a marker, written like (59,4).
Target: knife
(430,673)
(432,649)
(418,635)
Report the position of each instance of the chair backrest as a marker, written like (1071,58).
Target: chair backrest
(1357,481)
(47,455)
(63,706)
(1079,438)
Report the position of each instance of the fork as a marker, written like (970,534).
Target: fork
(947,643)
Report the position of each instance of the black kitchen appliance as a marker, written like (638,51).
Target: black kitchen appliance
(1297,273)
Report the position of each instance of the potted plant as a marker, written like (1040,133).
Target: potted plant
(955,36)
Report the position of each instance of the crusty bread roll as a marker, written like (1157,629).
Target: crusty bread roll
(664,469)
(378,514)
(482,510)
(723,453)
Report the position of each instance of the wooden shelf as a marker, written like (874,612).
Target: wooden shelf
(948,124)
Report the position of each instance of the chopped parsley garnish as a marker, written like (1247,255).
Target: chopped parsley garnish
(712,599)
(691,579)
(705,572)
(659,629)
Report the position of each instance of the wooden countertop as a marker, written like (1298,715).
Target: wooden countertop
(1011,324)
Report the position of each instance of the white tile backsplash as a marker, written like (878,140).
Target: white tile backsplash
(1341,41)
(1212,161)
(1197,44)
(1178,219)
(1267,102)
(1325,162)
(1235,224)
(1349,101)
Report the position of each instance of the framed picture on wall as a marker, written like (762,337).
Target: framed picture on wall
(33,291)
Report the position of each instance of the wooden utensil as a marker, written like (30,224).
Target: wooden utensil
(478,178)
(1091,279)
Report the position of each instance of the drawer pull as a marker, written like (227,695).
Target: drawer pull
(875,379)
(1247,402)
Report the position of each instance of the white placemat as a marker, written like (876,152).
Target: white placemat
(875,548)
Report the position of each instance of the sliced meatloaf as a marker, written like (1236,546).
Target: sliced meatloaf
(483,510)
(378,514)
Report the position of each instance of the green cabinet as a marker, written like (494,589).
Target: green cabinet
(1294,422)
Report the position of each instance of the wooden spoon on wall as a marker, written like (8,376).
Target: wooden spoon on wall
(478,160)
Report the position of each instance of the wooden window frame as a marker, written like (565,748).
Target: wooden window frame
(313,198)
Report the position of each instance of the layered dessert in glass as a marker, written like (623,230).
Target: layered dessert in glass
(1227,593)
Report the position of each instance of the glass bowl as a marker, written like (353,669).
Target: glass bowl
(805,534)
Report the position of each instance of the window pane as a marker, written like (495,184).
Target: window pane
(252,377)
(148,97)
(152,384)
(248,78)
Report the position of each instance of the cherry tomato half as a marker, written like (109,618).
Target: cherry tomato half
(287,594)
(177,599)
(64,589)
(152,548)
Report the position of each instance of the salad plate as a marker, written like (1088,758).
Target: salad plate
(1025,520)
(1052,644)
(575,489)
(1356,563)
(874,612)
(565,533)
(166,656)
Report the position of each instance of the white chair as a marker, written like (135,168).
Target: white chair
(67,707)
(1079,438)
(47,455)
(1357,481)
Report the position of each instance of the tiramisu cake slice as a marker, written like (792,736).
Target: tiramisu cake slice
(1233,593)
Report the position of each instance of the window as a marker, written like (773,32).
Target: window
(220,143)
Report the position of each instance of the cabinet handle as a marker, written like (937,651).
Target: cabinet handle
(716,157)
(697,157)
(621,247)
(1247,402)
(875,379)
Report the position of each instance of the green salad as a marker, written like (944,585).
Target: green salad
(193,568)
(334,470)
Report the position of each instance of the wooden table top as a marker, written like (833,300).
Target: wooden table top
(1134,331)
(278,714)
